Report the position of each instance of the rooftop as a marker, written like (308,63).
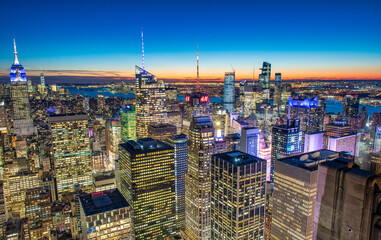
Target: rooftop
(145,145)
(67,118)
(238,158)
(311,160)
(99,202)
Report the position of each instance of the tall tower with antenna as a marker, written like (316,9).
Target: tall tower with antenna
(198,73)
(143,52)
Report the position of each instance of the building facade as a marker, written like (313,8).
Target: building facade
(238,196)
(229,92)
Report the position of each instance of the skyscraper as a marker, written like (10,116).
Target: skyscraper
(264,79)
(295,186)
(113,139)
(71,152)
(250,141)
(197,179)
(42,80)
(286,140)
(347,202)
(22,122)
(229,92)
(150,101)
(278,89)
(128,123)
(105,215)
(146,178)
(179,143)
(238,196)
(309,112)
(351,105)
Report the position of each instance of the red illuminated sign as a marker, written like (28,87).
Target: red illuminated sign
(187,98)
(204,99)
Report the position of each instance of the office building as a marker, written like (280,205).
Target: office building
(151,104)
(128,123)
(295,186)
(338,128)
(103,181)
(377,139)
(71,152)
(229,92)
(264,79)
(38,211)
(105,215)
(278,89)
(146,178)
(347,202)
(22,121)
(313,141)
(349,144)
(161,131)
(351,105)
(233,142)
(376,119)
(15,189)
(310,113)
(250,141)
(180,143)
(238,196)
(286,141)
(114,136)
(197,179)
(196,105)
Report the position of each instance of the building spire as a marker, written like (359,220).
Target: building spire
(143,51)
(16,57)
(198,73)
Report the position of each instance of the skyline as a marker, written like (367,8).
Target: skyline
(339,42)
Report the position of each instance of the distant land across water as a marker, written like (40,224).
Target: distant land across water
(333,106)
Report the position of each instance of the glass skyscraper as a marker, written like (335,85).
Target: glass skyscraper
(179,143)
(128,123)
(229,92)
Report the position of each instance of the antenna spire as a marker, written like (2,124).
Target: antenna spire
(15,52)
(143,50)
(198,72)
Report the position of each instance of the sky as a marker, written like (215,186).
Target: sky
(321,39)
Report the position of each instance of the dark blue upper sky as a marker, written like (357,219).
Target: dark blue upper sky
(105,35)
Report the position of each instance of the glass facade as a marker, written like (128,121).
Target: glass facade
(128,123)
(229,92)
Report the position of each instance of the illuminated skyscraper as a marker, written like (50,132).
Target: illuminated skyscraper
(337,129)
(250,141)
(351,105)
(114,138)
(71,152)
(42,79)
(197,179)
(161,131)
(22,122)
(128,123)
(179,143)
(146,178)
(151,104)
(105,215)
(196,105)
(377,140)
(238,196)
(229,92)
(309,112)
(264,79)
(278,89)
(286,140)
(295,186)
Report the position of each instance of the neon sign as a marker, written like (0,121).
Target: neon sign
(204,99)
(187,98)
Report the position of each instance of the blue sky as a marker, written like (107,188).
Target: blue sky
(302,39)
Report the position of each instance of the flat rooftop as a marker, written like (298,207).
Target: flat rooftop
(68,118)
(103,201)
(238,158)
(145,145)
(311,160)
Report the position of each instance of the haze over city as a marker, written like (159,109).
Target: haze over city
(303,39)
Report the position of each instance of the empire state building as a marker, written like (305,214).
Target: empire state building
(22,122)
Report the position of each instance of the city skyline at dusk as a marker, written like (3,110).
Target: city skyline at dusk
(301,40)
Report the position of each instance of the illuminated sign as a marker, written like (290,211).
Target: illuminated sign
(187,98)
(204,99)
